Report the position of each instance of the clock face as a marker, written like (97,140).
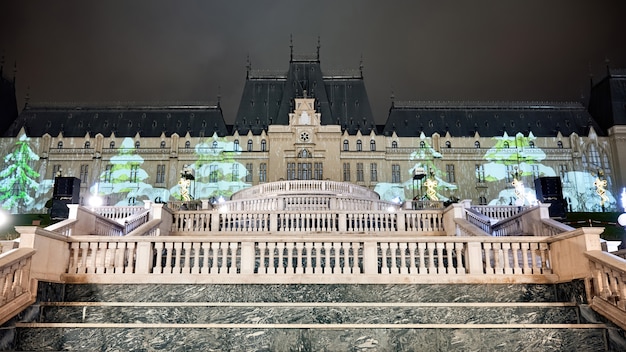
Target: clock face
(304,136)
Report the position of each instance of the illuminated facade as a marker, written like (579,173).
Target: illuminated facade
(305,124)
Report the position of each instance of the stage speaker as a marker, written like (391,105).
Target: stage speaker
(59,208)
(67,188)
(549,190)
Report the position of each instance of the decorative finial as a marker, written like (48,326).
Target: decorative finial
(318,48)
(393,98)
(361,65)
(248,66)
(27,97)
(290,47)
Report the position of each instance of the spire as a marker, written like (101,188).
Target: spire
(318,48)
(248,66)
(290,47)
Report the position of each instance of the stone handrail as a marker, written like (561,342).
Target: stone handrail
(16,288)
(498,212)
(552,227)
(115,212)
(304,202)
(323,259)
(527,222)
(134,221)
(213,222)
(64,227)
(466,228)
(608,286)
(304,187)
(478,219)
(150,228)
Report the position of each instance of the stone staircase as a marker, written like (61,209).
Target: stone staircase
(298,317)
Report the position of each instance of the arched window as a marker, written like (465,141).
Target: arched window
(394,145)
(422,144)
(263,145)
(236,145)
(162,144)
(87,145)
(448,144)
(137,144)
(304,154)
(559,144)
(214,145)
(249,145)
(482,200)
(506,144)
(346,145)
(187,144)
(531,144)
(60,145)
(359,146)
(112,144)
(477,144)
(372,145)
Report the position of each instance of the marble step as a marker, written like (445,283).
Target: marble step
(319,293)
(344,337)
(307,313)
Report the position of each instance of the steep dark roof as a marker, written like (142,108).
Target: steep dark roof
(125,121)
(464,119)
(8,102)
(268,98)
(607,102)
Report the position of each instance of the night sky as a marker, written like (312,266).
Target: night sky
(188,51)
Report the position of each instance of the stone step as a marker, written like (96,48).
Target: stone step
(311,337)
(307,313)
(319,293)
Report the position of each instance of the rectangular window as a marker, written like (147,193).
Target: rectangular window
(395,173)
(134,170)
(263,172)
(510,173)
(248,172)
(450,173)
(563,173)
(359,172)
(107,173)
(318,171)
(213,173)
(373,172)
(304,171)
(535,170)
(480,173)
(234,172)
(84,171)
(56,170)
(346,172)
(160,176)
(291,171)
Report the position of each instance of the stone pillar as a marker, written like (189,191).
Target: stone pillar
(370,258)
(247,258)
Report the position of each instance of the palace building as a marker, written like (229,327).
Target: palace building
(305,124)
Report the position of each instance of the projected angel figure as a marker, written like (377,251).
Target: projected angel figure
(601,190)
(520,191)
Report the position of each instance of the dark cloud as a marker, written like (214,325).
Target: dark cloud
(421,50)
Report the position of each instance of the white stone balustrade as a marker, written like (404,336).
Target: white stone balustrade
(608,286)
(15,282)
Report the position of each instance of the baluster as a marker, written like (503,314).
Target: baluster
(73,267)
(489,252)
(525,248)
(449,267)
(460,258)
(284,258)
(298,255)
(168,248)
(421,254)
(411,258)
(273,258)
(323,259)
(405,261)
(506,264)
(544,261)
(515,248)
(333,261)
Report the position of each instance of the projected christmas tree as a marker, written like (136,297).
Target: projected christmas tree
(125,177)
(18,179)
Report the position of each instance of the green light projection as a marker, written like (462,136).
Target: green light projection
(18,180)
